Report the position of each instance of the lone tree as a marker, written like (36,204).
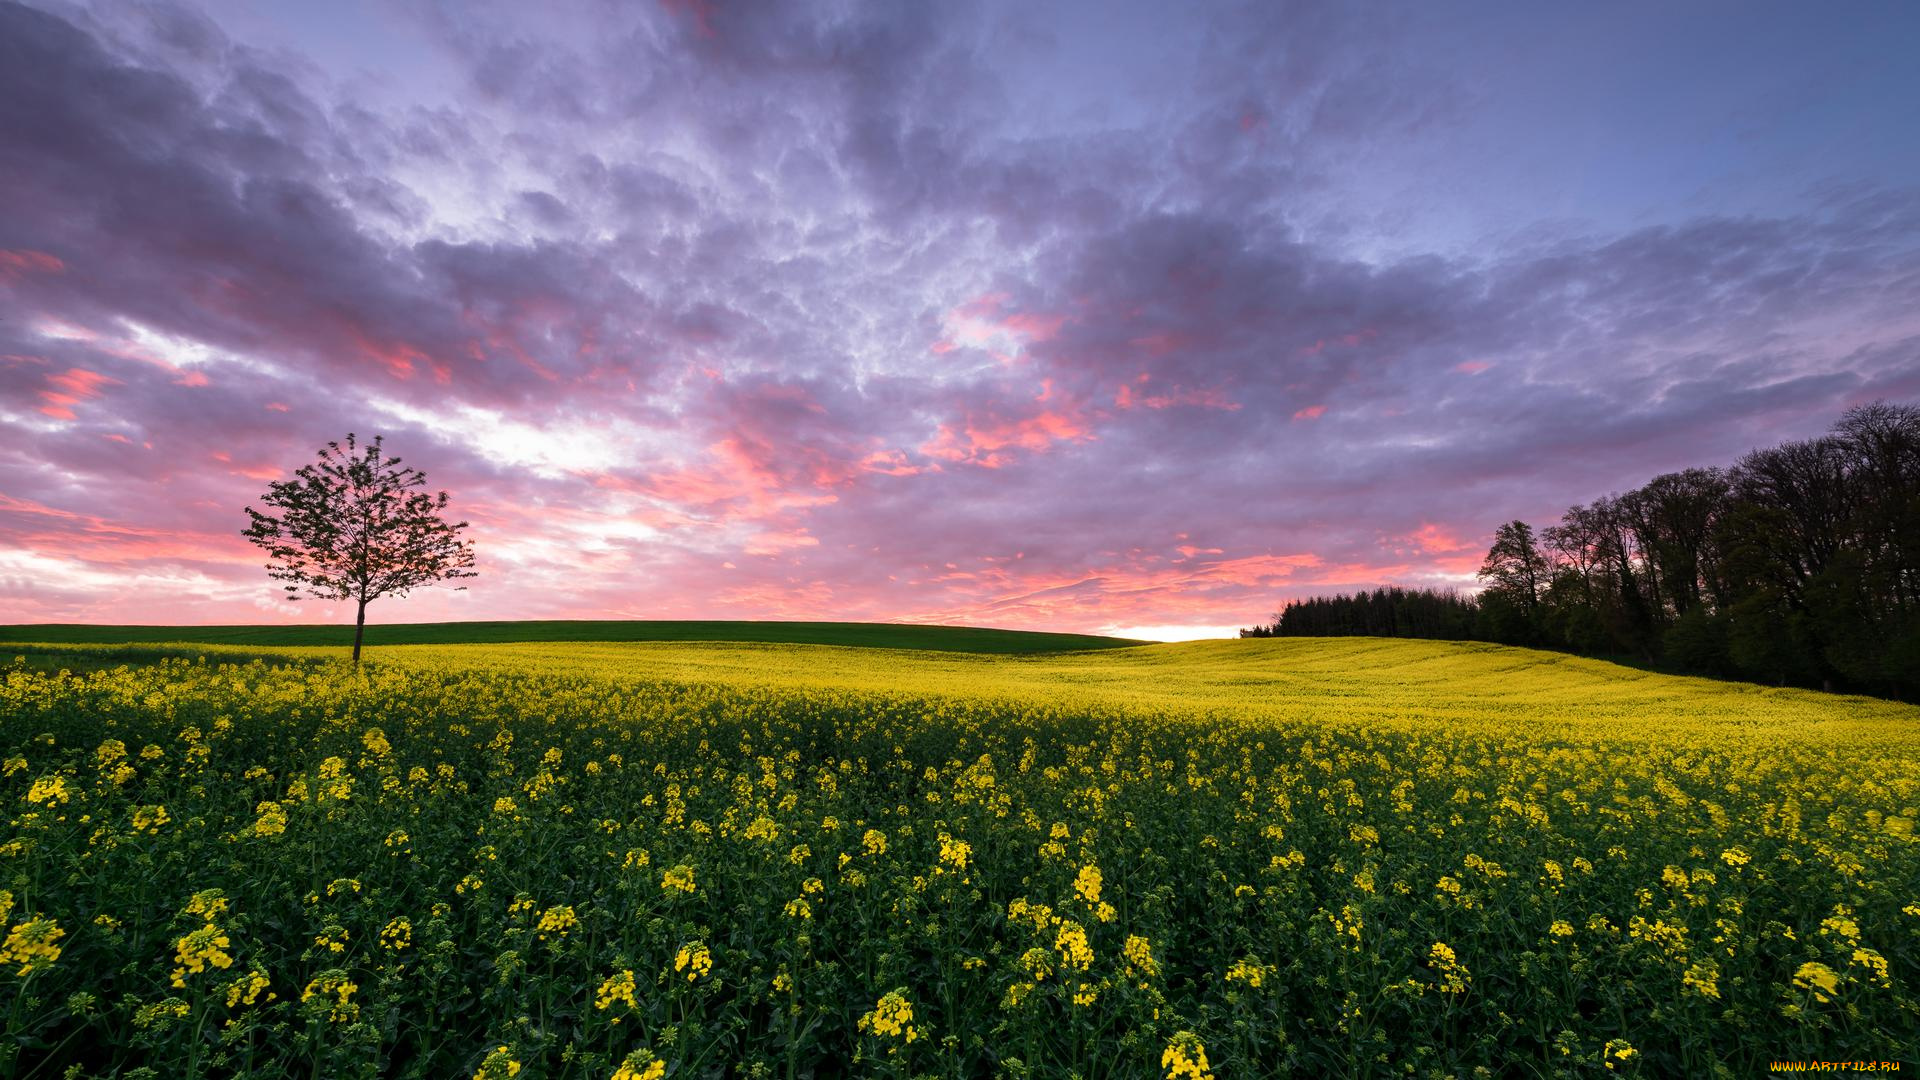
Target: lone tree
(352,527)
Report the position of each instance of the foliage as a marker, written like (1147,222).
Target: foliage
(1388,612)
(1346,858)
(353,527)
(1799,565)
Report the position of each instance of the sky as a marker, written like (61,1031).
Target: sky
(1129,318)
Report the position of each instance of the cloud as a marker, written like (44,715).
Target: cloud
(783,311)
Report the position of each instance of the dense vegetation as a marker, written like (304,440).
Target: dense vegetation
(1799,565)
(868,635)
(1435,614)
(1343,858)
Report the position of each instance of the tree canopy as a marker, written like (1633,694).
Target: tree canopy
(355,526)
(1798,564)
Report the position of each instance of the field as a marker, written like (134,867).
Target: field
(971,639)
(1346,857)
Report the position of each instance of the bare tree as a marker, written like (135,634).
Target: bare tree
(353,527)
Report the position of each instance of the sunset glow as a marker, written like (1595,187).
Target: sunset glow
(1036,317)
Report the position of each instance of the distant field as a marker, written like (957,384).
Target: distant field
(970,639)
(649,860)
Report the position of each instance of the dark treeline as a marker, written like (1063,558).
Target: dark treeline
(1388,612)
(1798,565)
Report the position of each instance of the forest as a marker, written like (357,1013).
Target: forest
(1797,565)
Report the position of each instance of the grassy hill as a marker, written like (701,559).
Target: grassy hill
(1337,682)
(967,639)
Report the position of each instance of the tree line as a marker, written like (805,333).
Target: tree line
(1386,612)
(1798,565)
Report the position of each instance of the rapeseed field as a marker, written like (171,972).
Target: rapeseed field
(1302,857)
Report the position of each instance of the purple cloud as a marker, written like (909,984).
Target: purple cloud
(1080,318)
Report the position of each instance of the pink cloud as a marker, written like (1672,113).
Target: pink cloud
(1472,367)
(775,543)
(739,476)
(1434,538)
(15,265)
(1311,412)
(70,388)
(980,441)
(1034,326)
(1127,398)
(889,463)
(1346,341)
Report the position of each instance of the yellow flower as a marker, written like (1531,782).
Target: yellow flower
(1139,957)
(1087,884)
(891,1016)
(161,1014)
(1875,964)
(149,819)
(335,989)
(1071,942)
(618,987)
(272,821)
(1249,971)
(498,1065)
(1841,925)
(1038,964)
(1818,978)
(874,842)
(678,879)
(1561,928)
(694,959)
(246,989)
(207,904)
(199,949)
(954,853)
(1185,1058)
(1703,978)
(1618,1050)
(1450,971)
(49,791)
(557,920)
(397,934)
(31,945)
(641,1065)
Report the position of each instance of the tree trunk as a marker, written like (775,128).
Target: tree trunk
(359,628)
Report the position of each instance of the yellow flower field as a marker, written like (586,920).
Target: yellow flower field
(1310,857)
